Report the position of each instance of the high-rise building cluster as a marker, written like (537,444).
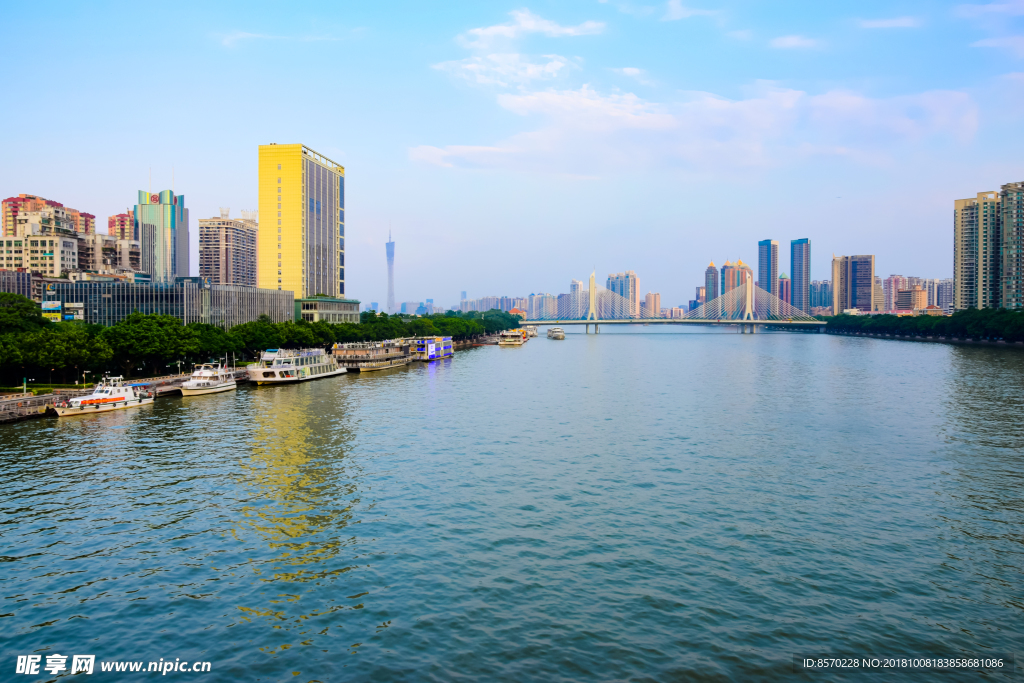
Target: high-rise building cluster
(793,290)
(245,269)
(988,249)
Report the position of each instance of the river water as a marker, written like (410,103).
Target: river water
(625,506)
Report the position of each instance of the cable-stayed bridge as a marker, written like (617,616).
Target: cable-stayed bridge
(746,306)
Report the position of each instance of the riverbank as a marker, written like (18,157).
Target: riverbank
(936,339)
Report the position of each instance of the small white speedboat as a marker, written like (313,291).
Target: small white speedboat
(556,333)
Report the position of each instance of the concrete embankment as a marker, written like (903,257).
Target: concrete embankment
(935,339)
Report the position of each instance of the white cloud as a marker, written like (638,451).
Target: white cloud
(504,69)
(524,22)
(637,74)
(789,42)
(895,22)
(675,10)
(1014,44)
(584,131)
(1011,8)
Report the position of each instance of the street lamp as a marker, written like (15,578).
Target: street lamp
(84,373)
(179,367)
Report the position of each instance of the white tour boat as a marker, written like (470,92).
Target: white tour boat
(556,333)
(516,337)
(209,378)
(110,394)
(531,330)
(293,365)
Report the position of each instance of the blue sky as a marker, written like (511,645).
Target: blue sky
(512,147)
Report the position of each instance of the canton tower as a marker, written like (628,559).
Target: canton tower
(390,246)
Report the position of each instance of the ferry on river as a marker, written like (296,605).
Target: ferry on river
(209,378)
(556,333)
(110,394)
(278,366)
(516,337)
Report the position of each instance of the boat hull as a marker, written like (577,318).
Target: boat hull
(94,408)
(373,366)
(227,386)
(259,376)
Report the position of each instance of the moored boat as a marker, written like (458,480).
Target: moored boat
(516,337)
(110,394)
(531,330)
(370,356)
(430,348)
(279,366)
(209,378)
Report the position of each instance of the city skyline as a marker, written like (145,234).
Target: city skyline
(569,126)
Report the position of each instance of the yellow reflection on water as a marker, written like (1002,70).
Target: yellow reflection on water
(306,494)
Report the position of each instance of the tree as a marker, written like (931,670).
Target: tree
(257,336)
(137,338)
(19,314)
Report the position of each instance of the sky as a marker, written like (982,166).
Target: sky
(513,147)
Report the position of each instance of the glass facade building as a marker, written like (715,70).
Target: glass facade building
(191,300)
(768,266)
(161,227)
(800,271)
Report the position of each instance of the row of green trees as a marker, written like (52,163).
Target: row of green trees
(31,346)
(988,323)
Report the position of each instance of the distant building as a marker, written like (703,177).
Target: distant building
(976,246)
(910,299)
(877,296)
(800,268)
(328,309)
(99,253)
(785,289)
(733,275)
(409,307)
(14,210)
(853,283)
(710,283)
(122,226)
(944,295)
(227,249)
(16,282)
(890,286)
(821,294)
(625,285)
(463,296)
(702,294)
(374,306)
(161,223)
(768,266)
(1011,203)
(389,251)
(304,192)
(651,307)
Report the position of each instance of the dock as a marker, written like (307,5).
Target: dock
(17,407)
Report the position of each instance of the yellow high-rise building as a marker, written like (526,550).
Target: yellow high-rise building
(301,243)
